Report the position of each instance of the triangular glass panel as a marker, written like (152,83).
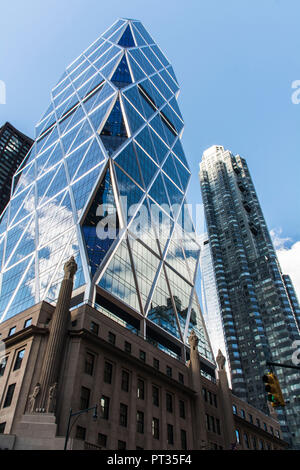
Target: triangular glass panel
(68,138)
(114,131)
(83,188)
(161,311)
(56,156)
(127,39)
(170,170)
(97,116)
(175,196)
(69,245)
(148,106)
(149,169)
(143,32)
(172,121)
(54,218)
(136,70)
(113,28)
(146,265)
(58,183)
(143,228)
(181,291)
(93,157)
(133,97)
(152,93)
(152,58)
(90,85)
(41,143)
(130,193)
(171,72)
(163,225)
(9,284)
(24,179)
(74,159)
(26,244)
(67,106)
(110,67)
(52,138)
(139,40)
(3,221)
(116,36)
(84,134)
(184,175)
(158,193)
(1,251)
(97,98)
(99,51)
(101,224)
(142,61)
(160,147)
(169,81)
(135,120)
(106,53)
(174,104)
(160,55)
(76,116)
(175,256)
(42,126)
(15,235)
(161,86)
(178,150)
(46,266)
(156,124)
(21,205)
(144,140)
(42,159)
(119,279)
(89,73)
(185,220)
(127,161)
(192,252)
(122,78)
(25,295)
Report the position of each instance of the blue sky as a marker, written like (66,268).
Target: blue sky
(235,62)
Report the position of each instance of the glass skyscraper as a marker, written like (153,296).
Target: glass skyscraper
(106,182)
(258,307)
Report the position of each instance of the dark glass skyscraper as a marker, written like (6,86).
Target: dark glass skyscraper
(106,182)
(259,315)
(13,148)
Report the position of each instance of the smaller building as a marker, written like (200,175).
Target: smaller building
(14,146)
(255,430)
(55,360)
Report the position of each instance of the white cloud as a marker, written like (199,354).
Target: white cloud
(288,256)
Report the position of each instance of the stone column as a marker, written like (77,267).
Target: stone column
(199,422)
(57,336)
(226,402)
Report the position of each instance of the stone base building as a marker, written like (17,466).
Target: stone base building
(55,360)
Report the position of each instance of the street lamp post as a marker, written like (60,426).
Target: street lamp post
(77,413)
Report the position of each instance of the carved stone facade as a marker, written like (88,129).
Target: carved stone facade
(104,363)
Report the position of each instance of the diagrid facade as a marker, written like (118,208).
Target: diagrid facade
(106,182)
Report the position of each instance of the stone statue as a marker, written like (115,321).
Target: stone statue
(51,405)
(220,360)
(33,397)
(70,268)
(193,340)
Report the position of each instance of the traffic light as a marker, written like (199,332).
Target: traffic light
(273,389)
